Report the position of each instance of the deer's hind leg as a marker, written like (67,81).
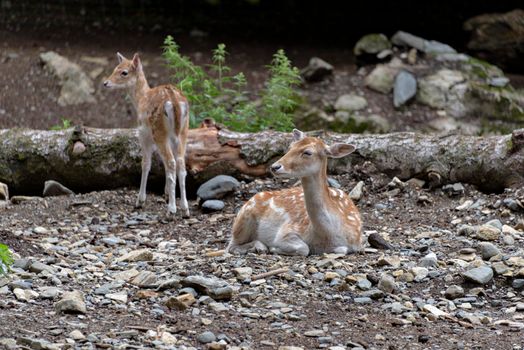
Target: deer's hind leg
(166,153)
(245,236)
(289,242)
(181,156)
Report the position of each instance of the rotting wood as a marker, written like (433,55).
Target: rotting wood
(111,157)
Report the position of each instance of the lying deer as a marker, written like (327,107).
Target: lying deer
(163,122)
(311,219)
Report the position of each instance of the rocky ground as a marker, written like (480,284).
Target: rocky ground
(92,272)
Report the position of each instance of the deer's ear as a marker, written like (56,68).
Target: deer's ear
(136,61)
(339,150)
(120,57)
(298,135)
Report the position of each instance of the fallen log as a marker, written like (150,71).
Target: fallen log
(86,159)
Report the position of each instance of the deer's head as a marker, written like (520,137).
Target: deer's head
(307,156)
(125,73)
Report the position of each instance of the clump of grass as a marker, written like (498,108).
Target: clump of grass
(216,93)
(66,124)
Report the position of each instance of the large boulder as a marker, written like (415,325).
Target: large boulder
(401,38)
(4,192)
(77,87)
(382,78)
(350,103)
(404,89)
(371,47)
(317,70)
(499,38)
(217,187)
(445,89)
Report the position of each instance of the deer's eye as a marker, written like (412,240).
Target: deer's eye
(124,73)
(307,153)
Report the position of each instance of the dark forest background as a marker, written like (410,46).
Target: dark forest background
(328,22)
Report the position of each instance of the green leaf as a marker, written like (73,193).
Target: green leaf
(6,259)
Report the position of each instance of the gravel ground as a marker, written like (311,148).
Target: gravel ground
(412,296)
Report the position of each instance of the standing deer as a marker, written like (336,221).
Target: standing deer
(311,219)
(163,122)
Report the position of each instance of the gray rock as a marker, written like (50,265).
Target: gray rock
(350,103)
(387,284)
(145,279)
(216,288)
(488,250)
(488,233)
(243,273)
(480,275)
(77,87)
(37,343)
(170,284)
(22,284)
(137,255)
(4,192)
(454,292)
(498,81)
(401,38)
(111,241)
(508,202)
(419,273)
(217,187)
(364,284)
(456,189)
(377,241)
(444,89)
(436,47)
(362,300)
(381,78)
(357,191)
(38,267)
(71,302)
(206,337)
(371,44)
(54,188)
(404,89)
(108,287)
(333,183)
(22,264)
(495,223)
(314,333)
(317,70)
(467,230)
(49,292)
(518,283)
(499,268)
(212,205)
(372,293)
(430,260)
(508,240)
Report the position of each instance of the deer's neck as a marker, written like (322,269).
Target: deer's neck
(316,195)
(139,90)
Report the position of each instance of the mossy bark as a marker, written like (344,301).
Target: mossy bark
(111,157)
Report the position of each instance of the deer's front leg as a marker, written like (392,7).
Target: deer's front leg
(146,144)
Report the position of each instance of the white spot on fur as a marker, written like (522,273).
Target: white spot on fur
(183,112)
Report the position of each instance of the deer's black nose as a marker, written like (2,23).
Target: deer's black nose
(276,167)
(106,83)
